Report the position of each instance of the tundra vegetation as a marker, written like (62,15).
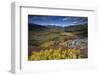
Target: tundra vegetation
(54,42)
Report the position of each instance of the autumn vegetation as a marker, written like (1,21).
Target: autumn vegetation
(48,43)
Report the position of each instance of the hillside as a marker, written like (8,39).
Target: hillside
(53,37)
(36,27)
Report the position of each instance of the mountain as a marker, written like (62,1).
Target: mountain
(36,27)
(79,30)
(73,28)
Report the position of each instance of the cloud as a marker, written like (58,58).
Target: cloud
(70,19)
(55,24)
(64,19)
(75,22)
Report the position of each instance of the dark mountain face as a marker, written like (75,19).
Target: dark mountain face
(79,30)
(76,28)
(36,27)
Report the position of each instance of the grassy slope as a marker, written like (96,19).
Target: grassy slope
(44,39)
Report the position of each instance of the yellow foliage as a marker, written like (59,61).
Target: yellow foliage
(54,54)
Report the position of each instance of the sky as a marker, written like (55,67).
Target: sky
(56,20)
